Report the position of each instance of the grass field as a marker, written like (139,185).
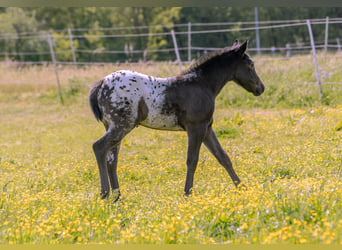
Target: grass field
(285,146)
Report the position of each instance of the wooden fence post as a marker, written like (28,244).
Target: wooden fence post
(326,38)
(315,59)
(55,67)
(176,50)
(189,42)
(257,30)
(72,46)
(288,50)
(338,45)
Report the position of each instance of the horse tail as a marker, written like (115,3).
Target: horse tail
(93,100)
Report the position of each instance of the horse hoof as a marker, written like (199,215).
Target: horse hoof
(242,187)
(117,199)
(118,195)
(104,195)
(187,194)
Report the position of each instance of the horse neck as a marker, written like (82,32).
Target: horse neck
(217,75)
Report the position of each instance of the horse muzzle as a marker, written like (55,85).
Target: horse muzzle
(259,89)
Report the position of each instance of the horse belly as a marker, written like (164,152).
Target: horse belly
(156,120)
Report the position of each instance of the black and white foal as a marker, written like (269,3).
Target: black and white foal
(126,99)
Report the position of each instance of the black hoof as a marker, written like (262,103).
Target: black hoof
(237,183)
(187,193)
(118,195)
(104,195)
(242,187)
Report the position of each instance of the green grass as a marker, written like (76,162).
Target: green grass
(285,146)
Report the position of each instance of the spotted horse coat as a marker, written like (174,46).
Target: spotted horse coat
(128,98)
(125,99)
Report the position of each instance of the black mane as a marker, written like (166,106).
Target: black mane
(207,58)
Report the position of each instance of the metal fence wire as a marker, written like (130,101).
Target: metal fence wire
(176,44)
(155,43)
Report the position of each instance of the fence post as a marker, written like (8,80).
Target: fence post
(288,50)
(189,42)
(315,59)
(257,30)
(176,50)
(55,67)
(326,38)
(72,46)
(338,45)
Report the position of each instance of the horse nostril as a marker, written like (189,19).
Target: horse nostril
(262,88)
(259,90)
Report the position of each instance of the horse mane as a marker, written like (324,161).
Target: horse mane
(207,58)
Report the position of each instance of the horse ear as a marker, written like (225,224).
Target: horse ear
(236,43)
(240,50)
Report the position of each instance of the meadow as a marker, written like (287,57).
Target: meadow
(285,145)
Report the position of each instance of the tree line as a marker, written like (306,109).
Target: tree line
(21,23)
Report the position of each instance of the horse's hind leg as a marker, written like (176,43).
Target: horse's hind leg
(112,162)
(211,142)
(101,147)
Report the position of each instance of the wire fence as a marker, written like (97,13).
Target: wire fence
(155,44)
(141,44)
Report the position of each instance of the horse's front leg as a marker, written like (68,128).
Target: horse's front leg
(112,162)
(195,138)
(211,142)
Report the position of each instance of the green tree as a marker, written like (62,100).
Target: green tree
(20,25)
(88,21)
(163,21)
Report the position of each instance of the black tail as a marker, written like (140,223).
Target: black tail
(93,94)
